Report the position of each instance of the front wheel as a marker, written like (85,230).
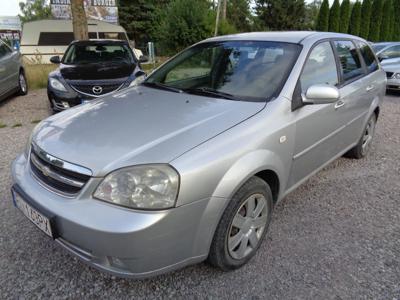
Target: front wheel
(22,84)
(243,226)
(364,144)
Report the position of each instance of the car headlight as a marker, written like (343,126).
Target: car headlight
(137,80)
(397,76)
(142,187)
(57,85)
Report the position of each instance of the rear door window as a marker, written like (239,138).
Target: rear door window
(368,56)
(349,60)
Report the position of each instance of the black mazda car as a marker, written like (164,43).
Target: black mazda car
(90,69)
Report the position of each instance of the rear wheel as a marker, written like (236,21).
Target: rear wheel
(243,225)
(22,84)
(364,144)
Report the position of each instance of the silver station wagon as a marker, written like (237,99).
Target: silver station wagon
(188,165)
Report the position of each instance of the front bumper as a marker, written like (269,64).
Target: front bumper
(63,100)
(122,241)
(393,84)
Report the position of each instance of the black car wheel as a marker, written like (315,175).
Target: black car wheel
(22,84)
(364,144)
(243,226)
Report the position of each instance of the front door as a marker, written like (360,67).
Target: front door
(318,125)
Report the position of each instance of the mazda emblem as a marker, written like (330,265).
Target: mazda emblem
(97,89)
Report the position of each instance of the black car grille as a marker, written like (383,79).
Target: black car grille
(389,74)
(96,90)
(55,177)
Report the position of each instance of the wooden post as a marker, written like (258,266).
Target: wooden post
(79,22)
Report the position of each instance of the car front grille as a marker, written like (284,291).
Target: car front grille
(389,74)
(96,90)
(58,176)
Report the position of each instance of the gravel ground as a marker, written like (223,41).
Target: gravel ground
(336,237)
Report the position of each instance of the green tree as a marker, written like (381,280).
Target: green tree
(312,11)
(376,20)
(281,14)
(334,17)
(366,9)
(387,21)
(345,11)
(239,15)
(140,18)
(34,10)
(396,20)
(183,23)
(323,17)
(355,19)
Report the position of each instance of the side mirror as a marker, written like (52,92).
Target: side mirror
(55,59)
(321,94)
(382,57)
(143,59)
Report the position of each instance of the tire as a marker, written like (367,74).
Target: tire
(22,84)
(226,252)
(363,145)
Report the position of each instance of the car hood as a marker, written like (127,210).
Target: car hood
(137,126)
(96,71)
(393,67)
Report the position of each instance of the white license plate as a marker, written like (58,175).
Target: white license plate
(32,214)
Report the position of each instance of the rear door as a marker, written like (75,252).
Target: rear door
(9,67)
(353,91)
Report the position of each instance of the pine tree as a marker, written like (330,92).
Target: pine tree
(365,18)
(345,11)
(323,17)
(376,21)
(387,20)
(355,19)
(281,14)
(396,20)
(334,17)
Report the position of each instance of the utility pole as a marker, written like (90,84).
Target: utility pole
(79,22)
(217,19)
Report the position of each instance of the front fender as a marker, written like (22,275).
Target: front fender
(244,168)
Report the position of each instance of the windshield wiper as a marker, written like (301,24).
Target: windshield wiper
(211,92)
(162,86)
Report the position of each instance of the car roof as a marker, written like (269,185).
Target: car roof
(280,36)
(98,42)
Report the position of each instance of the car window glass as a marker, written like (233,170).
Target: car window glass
(368,56)
(246,70)
(320,67)
(197,65)
(392,52)
(349,60)
(81,54)
(4,50)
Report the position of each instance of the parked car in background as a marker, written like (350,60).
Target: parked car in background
(91,69)
(188,165)
(12,74)
(389,55)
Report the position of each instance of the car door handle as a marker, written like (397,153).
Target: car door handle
(370,88)
(338,104)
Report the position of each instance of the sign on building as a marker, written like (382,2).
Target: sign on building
(102,10)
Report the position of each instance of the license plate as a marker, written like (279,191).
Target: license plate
(32,214)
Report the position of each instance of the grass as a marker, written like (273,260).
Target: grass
(17,125)
(35,121)
(2,125)
(37,75)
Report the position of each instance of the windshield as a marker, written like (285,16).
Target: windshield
(83,54)
(241,70)
(377,47)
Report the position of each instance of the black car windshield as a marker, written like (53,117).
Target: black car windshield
(97,53)
(238,70)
